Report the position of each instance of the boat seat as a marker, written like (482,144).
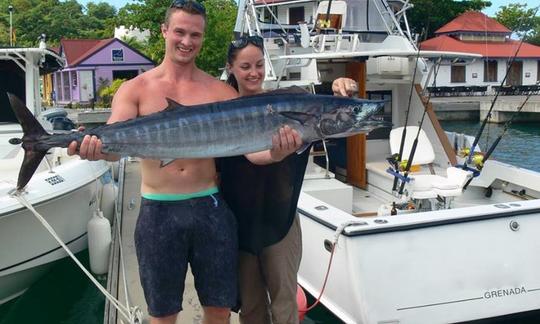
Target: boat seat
(426,186)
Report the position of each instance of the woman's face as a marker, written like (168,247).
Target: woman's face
(248,68)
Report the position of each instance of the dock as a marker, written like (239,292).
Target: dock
(125,283)
(477,107)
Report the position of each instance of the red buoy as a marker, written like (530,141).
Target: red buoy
(301,300)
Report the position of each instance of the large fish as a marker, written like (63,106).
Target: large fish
(218,129)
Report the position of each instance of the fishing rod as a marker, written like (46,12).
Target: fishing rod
(495,143)
(415,142)
(397,160)
(488,116)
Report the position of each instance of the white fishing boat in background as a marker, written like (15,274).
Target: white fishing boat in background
(460,247)
(65,190)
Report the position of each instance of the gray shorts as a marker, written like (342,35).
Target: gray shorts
(169,235)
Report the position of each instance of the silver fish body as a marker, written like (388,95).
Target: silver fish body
(225,128)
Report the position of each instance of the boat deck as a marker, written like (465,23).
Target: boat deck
(129,196)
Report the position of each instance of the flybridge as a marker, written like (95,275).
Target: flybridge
(33,62)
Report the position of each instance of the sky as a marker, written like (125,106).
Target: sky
(489,11)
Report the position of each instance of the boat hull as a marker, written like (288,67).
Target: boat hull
(28,248)
(434,267)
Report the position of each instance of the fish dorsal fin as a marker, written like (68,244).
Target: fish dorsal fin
(289,90)
(298,116)
(294,90)
(171,104)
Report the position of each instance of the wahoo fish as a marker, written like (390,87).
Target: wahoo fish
(226,128)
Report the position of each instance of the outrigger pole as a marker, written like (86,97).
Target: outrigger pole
(498,139)
(484,122)
(415,142)
(396,161)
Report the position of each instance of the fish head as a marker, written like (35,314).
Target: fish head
(351,119)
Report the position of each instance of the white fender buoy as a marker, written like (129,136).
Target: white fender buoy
(99,243)
(384,210)
(107,200)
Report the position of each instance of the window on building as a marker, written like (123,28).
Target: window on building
(296,14)
(457,73)
(268,15)
(124,74)
(74,78)
(490,71)
(118,55)
(66,87)
(538,71)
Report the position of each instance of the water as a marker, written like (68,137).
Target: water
(63,296)
(520,146)
(66,296)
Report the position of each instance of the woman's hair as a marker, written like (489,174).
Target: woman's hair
(235,47)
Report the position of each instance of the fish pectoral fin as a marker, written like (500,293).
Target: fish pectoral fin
(298,116)
(302,148)
(171,104)
(166,162)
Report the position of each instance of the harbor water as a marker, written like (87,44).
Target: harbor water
(65,296)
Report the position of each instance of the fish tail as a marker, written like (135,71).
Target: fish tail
(33,134)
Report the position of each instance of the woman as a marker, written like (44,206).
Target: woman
(264,199)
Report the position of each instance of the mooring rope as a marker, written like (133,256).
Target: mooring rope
(133,315)
(337,234)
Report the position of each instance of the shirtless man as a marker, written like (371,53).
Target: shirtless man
(182,219)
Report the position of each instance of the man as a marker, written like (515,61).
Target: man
(182,219)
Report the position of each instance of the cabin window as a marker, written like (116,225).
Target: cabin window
(538,71)
(118,55)
(385,114)
(490,71)
(457,73)
(296,14)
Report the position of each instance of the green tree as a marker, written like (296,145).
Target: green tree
(430,15)
(221,15)
(57,19)
(522,20)
(100,20)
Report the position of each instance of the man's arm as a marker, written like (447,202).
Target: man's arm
(124,106)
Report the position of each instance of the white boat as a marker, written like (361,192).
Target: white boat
(65,190)
(455,251)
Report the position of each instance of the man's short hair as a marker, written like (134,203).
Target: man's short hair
(190,6)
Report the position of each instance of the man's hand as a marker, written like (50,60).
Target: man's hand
(344,87)
(90,148)
(286,142)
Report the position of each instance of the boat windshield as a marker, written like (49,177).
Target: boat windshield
(363,16)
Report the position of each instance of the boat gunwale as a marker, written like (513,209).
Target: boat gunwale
(387,228)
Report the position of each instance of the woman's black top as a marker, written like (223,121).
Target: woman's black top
(263,197)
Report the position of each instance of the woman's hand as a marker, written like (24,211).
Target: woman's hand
(286,142)
(344,87)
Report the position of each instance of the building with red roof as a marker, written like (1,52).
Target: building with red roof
(474,32)
(92,63)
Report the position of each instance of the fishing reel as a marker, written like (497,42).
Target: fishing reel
(477,158)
